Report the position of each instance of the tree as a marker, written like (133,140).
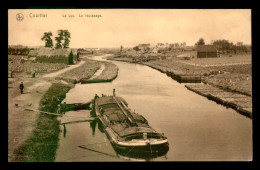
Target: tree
(59,39)
(136,48)
(11,69)
(66,35)
(14,67)
(70,58)
(144,47)
(176,45)
(234,48)
(239,43)
(224,45)
(62,35)
(47,38)
(58,42)
(200,42)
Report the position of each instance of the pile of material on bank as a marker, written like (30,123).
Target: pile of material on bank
(128,131)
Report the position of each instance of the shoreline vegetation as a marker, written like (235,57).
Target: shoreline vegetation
(83,73)
(108,74)
(225,73)
(42,144)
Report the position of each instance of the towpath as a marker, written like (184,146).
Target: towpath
(55,74)
(21,122)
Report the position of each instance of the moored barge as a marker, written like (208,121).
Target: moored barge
(129,132)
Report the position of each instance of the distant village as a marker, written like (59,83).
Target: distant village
(198,50)
(162,47)
(181,50)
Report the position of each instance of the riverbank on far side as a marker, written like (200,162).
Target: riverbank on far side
(232,75)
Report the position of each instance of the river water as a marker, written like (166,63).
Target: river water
(197,129)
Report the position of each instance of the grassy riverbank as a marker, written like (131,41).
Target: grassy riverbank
(42,145)
(108,74)
(41,141)
(85,71)
(22,122)
(231,73)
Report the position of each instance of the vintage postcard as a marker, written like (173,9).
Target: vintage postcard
(110,85)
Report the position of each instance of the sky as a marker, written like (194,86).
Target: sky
(130,27)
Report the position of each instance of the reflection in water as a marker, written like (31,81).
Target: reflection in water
(93,126)
(133,153)
(97,151)
(148,159)
(100,126)
(141,155)
(64,131)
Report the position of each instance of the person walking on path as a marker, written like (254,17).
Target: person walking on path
(21,87)
(33,74)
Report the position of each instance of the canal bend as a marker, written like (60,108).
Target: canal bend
(197,129)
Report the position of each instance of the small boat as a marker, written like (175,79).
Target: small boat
(129,132)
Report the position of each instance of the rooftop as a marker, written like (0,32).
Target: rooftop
(206,48)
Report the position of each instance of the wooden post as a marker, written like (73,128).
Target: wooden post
(12,74)
(65,107)
(33,74)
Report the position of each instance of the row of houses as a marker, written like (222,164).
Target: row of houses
(172,46)
(162,47)
(202,51)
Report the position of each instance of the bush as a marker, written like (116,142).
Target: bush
(53,97)
(70,58)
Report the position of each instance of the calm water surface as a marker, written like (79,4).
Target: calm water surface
(197,129)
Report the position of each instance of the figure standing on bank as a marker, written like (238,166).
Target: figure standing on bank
(21,87)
